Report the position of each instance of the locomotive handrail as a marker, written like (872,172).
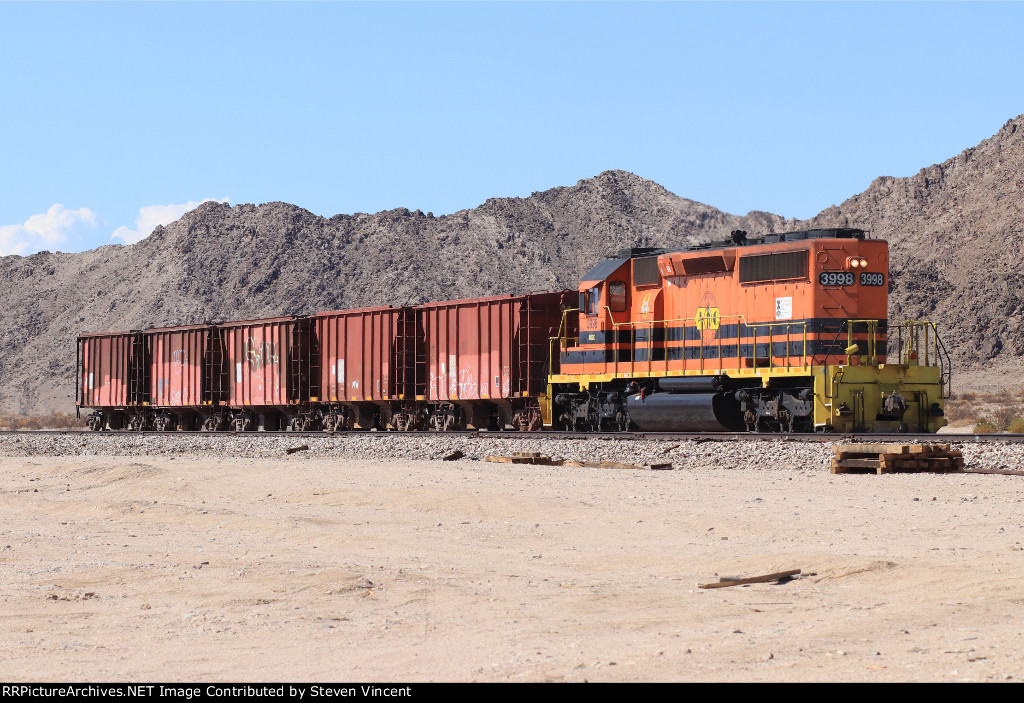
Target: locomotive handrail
(933,346)
(741,325)
(771,342)
(922,337)
(848,326)
(562,338)
(872,326)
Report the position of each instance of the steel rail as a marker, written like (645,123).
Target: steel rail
(828,437)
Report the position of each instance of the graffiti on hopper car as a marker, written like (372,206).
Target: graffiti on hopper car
(260,354)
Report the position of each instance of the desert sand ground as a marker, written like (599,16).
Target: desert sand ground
(198,568)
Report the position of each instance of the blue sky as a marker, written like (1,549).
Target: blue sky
(119,116)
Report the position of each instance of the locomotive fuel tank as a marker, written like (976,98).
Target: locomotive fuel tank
(696,412)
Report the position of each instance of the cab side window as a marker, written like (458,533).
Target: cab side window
(588,301)
(617,296)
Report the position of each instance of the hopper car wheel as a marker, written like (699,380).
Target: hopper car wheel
(211,424)
(165,423)
(406,421)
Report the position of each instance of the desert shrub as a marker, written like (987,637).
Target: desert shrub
(983,426)
(1001,396)
(61,421)
(955,412)
(967,396)
(52,421)
(30,423)
(1004,415)
(1016,425)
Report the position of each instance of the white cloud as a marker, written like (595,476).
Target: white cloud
(151,216)
(45,230)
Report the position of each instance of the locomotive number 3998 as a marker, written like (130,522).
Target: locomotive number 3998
(835,278)
(845,278)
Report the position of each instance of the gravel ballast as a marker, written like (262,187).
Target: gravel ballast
(725,454)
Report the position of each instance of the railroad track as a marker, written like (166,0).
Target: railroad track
(829,438)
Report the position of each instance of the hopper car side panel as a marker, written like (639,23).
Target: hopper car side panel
(104,370)
(366,357)
(489,348)
(258,362)
(178,365)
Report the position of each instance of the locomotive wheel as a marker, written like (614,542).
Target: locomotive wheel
(785,421)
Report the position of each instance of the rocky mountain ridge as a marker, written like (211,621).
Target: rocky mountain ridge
(954,228)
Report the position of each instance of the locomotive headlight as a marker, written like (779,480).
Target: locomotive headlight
(863,262)
(853,262)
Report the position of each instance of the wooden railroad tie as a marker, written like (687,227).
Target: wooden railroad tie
(524,458)
(896,458)
(536,458)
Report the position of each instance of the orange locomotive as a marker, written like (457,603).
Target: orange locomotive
(787,333)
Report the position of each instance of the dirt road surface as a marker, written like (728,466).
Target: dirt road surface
(198,568)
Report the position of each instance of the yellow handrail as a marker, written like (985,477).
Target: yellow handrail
(872,351)
(741,323)
(932,346)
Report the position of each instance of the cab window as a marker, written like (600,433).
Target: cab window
(617,296)
(588,301)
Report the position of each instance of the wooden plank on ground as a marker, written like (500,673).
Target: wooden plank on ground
(1002,472)
(725,582)
(536,460)
(666,466)
(928,448)
(646,467)
(873,448)
(859,463)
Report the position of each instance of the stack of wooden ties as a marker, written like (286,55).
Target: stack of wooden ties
(894,458)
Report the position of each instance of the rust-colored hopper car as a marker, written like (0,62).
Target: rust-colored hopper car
(788,333)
